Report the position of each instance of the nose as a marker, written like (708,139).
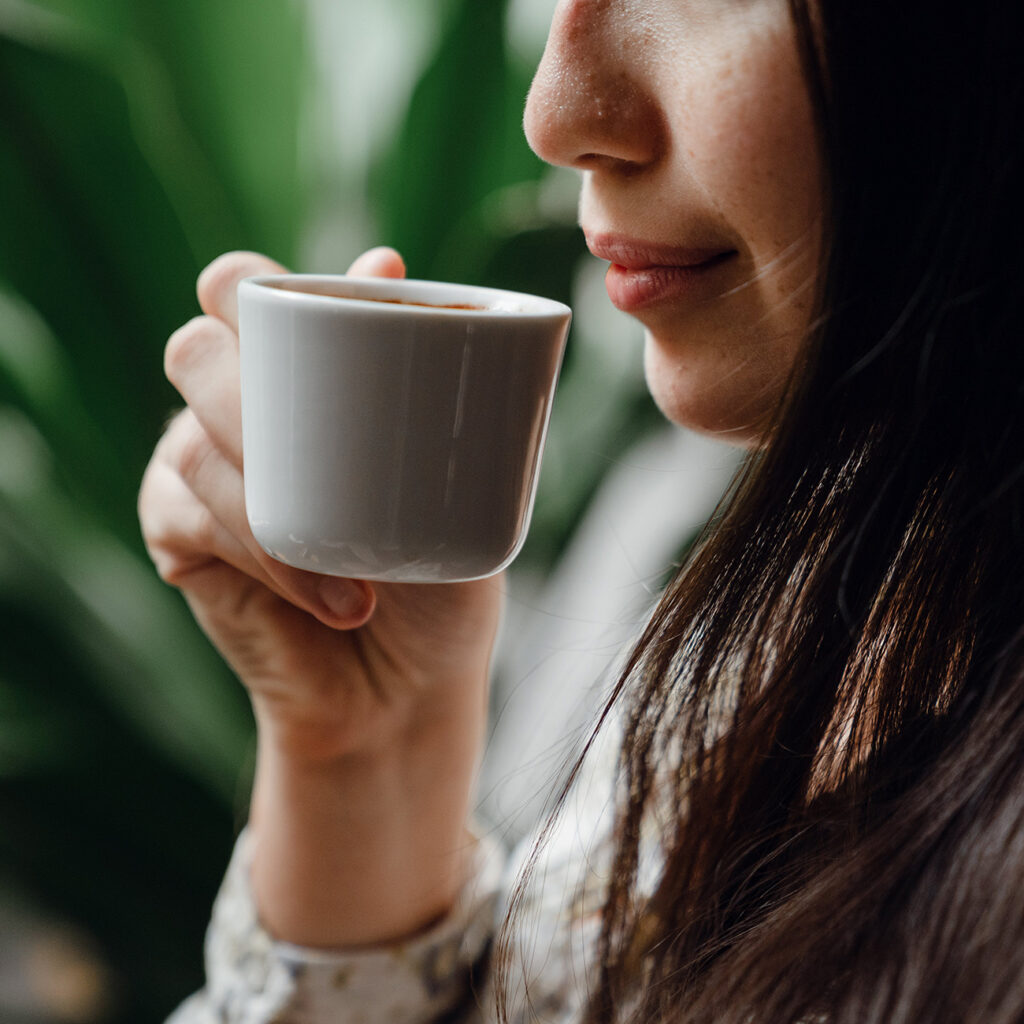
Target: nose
(587,107)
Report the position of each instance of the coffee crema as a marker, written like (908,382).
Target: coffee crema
(430,305)
(310,290)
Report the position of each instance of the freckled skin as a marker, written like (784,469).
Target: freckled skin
(691,125)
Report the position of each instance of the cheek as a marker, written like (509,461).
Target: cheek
(751,148)
(754,147)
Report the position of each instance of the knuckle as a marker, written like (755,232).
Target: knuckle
(178,568)
(164,453)
(194,449)
(146,501)
(155,496)
(160,548)
(173,569)
(222,275)
(177,538)
(168,567)
(203,530)
(188,346)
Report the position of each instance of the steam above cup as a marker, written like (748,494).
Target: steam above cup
(393,429)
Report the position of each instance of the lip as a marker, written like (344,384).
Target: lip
(644,274)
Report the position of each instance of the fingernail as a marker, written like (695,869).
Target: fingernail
(383,261)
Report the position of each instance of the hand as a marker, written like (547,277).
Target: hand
(339,665)
(344,675)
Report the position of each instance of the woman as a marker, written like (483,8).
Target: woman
(815,211)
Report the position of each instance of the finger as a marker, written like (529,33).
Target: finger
(201,361)
(217,287)
(218,486)
(182,535)
(236,608)
(185,538)
(380,262)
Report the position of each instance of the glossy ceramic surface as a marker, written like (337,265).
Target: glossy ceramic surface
(391,441)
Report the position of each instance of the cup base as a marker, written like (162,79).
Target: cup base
(350,561)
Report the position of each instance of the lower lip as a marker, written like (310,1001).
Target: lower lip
(633,289)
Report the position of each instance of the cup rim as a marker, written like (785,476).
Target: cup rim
(493,302)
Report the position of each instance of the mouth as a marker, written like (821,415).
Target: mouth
(644,274)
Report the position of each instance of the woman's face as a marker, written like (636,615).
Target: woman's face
(692,125)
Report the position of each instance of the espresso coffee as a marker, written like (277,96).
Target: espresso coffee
(431,305)
(340,294)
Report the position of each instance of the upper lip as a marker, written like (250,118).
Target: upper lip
(637,254)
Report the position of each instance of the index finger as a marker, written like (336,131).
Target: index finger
(217,287)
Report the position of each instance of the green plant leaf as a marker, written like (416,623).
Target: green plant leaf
(461,140)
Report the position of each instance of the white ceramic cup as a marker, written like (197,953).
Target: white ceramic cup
(393,429)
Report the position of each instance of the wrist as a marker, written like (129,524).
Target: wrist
(363,848)
(324,731)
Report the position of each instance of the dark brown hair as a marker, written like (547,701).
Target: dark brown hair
(831,694)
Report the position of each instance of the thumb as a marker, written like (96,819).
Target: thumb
(379,262)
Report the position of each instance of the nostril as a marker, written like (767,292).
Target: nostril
(600,118)
(587,109)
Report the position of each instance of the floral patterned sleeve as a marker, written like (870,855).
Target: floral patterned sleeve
(253,979)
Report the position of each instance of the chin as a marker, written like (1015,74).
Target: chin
(731,399)
(704,403)
(739,435)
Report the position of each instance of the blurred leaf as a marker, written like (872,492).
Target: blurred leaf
(215,93)
(122,194)
(151,666)
(36,377)
(75,245)
(460,142)
(105,830)
(237,75)
(138,141)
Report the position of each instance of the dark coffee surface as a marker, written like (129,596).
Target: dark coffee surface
(311,290)
(430,305)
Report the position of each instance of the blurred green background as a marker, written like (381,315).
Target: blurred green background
(139,139)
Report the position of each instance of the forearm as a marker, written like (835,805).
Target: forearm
(365,849)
